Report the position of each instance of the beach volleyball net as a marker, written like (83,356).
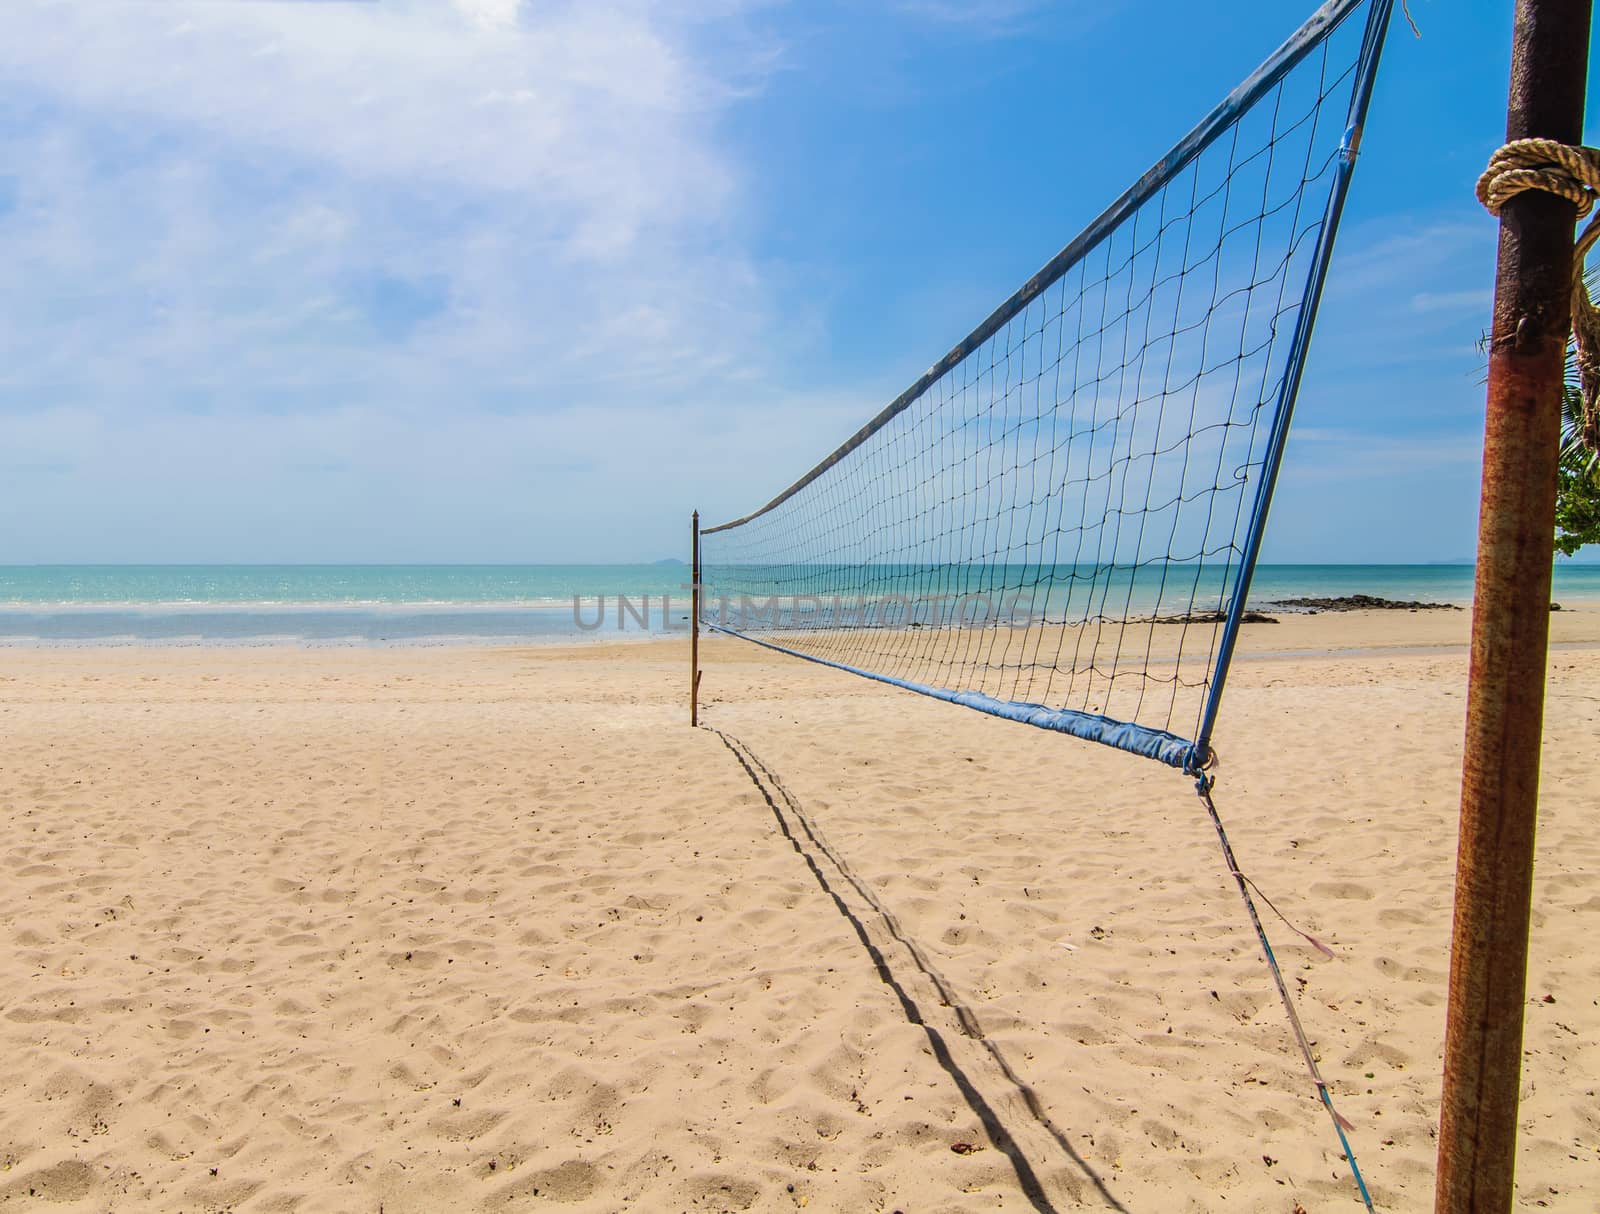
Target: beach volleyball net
(1058,522)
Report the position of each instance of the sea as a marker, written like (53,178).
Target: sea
(378,605)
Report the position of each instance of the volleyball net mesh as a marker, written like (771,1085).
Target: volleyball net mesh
(1058,522)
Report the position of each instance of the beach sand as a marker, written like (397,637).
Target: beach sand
(460,929)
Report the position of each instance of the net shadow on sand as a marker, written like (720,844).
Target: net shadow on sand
(811,845)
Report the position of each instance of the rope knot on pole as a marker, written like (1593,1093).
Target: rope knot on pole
(1573,173)
(1541,164)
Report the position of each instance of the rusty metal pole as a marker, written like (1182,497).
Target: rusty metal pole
(1510,631)
(694,622)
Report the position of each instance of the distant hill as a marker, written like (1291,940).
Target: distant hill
(669,560)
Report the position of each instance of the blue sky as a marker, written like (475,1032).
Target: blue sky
(481,280)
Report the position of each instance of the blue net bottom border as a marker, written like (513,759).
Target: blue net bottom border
(1155,744)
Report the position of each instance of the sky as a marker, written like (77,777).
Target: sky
(503,280)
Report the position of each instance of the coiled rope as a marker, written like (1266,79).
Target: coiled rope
(1572,173)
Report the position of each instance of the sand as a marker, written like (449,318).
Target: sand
(461,929)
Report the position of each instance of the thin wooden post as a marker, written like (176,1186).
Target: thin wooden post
(694,621)
(1510,631)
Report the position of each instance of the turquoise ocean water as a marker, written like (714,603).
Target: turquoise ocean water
(440,604)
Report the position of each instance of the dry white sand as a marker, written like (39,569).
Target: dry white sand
(428,930)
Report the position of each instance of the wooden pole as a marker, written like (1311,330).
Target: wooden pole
(694,621)
(1510,631)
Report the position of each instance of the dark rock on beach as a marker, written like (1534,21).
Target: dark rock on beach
(1362,602)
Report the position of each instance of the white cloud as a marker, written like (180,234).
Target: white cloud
(992,18)
(1402,249)
(1358,496)
(584,105)
(492,14)
(248,241)
(1343,455)
(380,482)
(1478,300)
